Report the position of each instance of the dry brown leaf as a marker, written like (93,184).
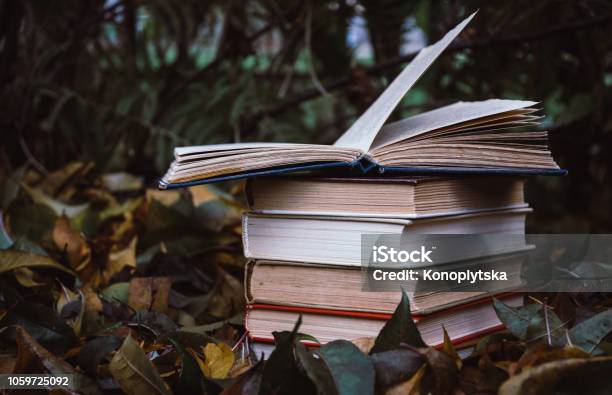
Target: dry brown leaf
(229,297)
(34,358)
(149,292)
(167,198)
(118,259)
(7,363)
(66,238)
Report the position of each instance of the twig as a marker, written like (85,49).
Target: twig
(33,161)
(547,324)
(311,67)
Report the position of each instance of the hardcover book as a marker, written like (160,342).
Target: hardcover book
(338,240)
(463,323)
(490,136)
(385,197)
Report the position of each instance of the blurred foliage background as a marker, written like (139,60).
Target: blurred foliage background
(118,84)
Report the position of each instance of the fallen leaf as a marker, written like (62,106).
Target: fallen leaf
(229,296)
(34,358)
(395,366)
(134,371)
(58,182)
(352,371)
(409,387)
(589,333)
(146,293)
(94,352)
(281,374)
(27,278)
(121,182)
(444,370)
(400,328)
(449,349)
(248,383)
(66,238)
(218,360)
(60,208)
(12,260)
(543,353)
(42,322)
(120,259)
(316,369)
(574,375)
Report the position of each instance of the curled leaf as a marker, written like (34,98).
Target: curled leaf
(134,371)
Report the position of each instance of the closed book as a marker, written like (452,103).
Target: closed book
(463,322)
(342,288)
(338,240)
(390,197)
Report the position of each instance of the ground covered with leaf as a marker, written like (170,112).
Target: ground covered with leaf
(139,291)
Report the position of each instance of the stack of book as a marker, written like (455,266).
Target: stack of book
(303,236)
(456,169)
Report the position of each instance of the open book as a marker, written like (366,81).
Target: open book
(491,136)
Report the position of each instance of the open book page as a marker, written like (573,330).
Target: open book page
(363,132)
(444,117)
(200,149)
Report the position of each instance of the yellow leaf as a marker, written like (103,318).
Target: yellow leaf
(219,359)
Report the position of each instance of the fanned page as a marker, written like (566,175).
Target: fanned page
(444,117)
(363,132)
(493,134)
(203,162)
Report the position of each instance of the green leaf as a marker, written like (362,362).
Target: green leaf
(352,371)
(315,369)
(134,372)
(281,374)
(11,260)
(516,320)
(530,323)
(116,292)
(589,333)
(399,329)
